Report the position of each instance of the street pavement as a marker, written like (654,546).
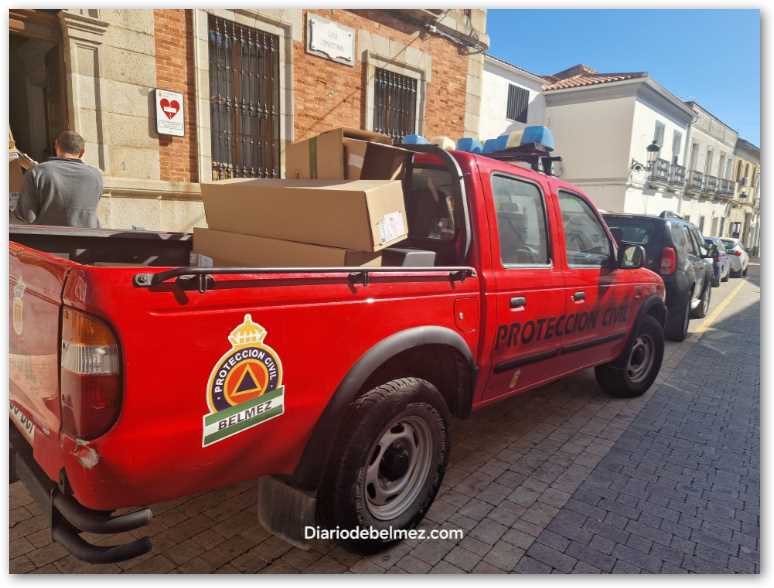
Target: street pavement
(560,480)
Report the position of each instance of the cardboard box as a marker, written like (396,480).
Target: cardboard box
(364,215)
(344,153)
(235,249)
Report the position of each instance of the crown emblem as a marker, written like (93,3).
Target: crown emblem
(246,333)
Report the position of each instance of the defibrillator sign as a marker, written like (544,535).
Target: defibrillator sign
(170,119)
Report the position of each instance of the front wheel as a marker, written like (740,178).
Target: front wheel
(388,463)
(633,372)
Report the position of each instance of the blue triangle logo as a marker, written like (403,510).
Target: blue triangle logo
(248,383)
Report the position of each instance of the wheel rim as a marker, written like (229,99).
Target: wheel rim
(641,358)
(398,466)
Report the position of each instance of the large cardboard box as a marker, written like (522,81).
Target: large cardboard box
(344,153)
(235,249)
(364,215)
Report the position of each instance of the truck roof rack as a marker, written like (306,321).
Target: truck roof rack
(537,155)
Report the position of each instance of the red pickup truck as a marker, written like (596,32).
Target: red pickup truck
(138,374)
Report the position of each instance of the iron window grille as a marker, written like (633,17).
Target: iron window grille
(244,101)
(518,103)
(395,103)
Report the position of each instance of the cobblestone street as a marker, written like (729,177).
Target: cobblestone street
(560,480)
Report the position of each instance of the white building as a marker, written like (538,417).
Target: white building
(604,125)
(709,190)
(511,98)
(626,140)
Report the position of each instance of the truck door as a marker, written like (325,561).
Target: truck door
(599,300)
(528,288)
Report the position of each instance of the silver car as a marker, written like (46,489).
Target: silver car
(739,257)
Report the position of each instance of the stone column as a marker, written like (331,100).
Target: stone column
(83,36)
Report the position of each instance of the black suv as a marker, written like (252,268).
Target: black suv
(675,250)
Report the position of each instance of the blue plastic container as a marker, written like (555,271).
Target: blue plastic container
(539,134)
(469,144)
(415,140)
(498,144)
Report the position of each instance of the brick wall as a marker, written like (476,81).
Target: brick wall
(175,72)
(329,94)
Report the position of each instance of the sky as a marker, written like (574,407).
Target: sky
(709,56)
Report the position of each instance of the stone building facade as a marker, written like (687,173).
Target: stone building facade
(97,71)
(744,210)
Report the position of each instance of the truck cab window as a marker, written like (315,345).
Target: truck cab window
(521,222)
(586,241)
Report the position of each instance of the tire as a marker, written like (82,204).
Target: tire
(677,324)
(703,308)
(744,272)
(635,370)
(413,417)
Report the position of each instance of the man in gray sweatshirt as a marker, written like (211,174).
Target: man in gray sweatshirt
(63,190)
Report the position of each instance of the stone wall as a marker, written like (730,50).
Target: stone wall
(115,59)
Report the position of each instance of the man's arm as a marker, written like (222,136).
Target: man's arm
(28,207)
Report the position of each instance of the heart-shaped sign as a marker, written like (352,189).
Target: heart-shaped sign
(169,107)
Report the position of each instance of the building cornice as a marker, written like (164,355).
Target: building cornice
(514,69)
(618,90)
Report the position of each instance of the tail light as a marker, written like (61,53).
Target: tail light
(90,375)
(738,253)
(668,261)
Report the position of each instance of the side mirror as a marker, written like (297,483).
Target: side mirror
(631,256)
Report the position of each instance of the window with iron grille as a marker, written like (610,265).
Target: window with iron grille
(244,101)
(518,103)
(395,103)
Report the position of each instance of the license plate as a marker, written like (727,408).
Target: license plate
(23,423)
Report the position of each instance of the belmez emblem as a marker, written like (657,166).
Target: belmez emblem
(245,387)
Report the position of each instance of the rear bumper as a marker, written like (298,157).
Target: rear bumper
(68,518)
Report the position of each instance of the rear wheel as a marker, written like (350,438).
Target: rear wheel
(635,370)
(389,462)
(704,304)
(744,273)
(677,324)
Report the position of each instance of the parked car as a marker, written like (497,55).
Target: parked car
(137,376)
(721,264)
(675,250)
(738,256)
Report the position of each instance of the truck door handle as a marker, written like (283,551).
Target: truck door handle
(579,296)
(518,302)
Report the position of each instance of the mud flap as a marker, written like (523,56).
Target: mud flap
(285,510)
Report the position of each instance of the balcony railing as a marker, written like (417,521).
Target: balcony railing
(710,184)
(695,181)
(677,175)
(725,187)
(659,172)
